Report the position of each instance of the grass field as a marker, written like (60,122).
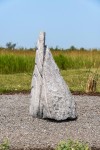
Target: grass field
(21,82)
(17,61)
(16,69)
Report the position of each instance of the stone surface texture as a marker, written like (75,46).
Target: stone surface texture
(50,96)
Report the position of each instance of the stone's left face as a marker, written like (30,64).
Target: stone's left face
(50,96)
(36,85)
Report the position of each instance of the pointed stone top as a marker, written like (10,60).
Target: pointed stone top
(41,40)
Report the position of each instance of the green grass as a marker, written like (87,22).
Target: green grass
(11,63)
(16,68)
(75,78)
(15,82)
(18,61)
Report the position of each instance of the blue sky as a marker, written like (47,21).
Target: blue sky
(66,22)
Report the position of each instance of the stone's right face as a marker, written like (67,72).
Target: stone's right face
(50,96)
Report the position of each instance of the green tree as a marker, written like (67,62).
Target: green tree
(72,48)
(10,45)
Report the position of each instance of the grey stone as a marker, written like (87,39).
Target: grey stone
(50,95)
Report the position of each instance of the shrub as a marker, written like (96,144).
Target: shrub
(71,145)
(4,145)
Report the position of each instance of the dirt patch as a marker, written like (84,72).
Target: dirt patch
(28,92)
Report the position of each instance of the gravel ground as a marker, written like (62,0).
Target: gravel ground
(25,132)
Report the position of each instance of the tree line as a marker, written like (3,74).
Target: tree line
(12,46)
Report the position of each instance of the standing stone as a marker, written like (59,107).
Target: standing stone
(50,96)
